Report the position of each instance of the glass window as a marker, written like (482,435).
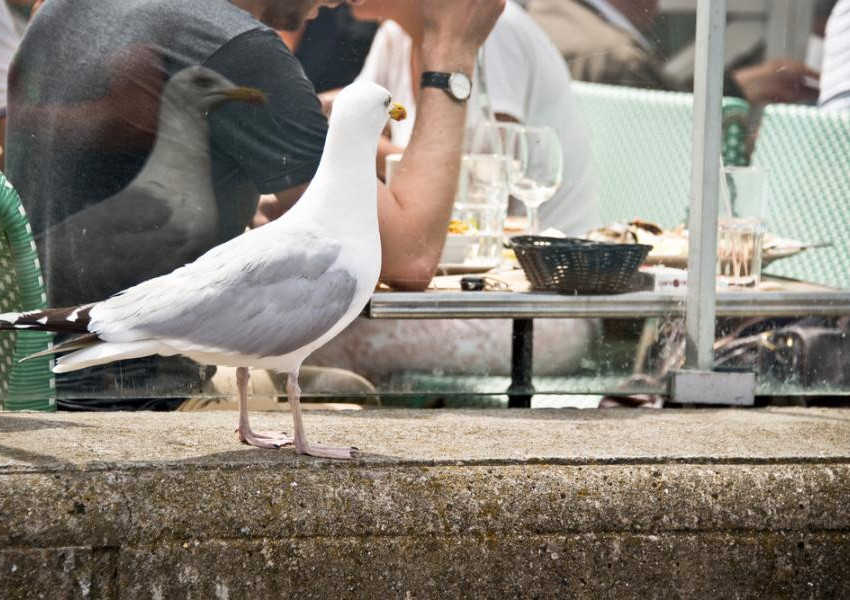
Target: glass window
(565,196)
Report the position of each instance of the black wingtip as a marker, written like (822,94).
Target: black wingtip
(74,319)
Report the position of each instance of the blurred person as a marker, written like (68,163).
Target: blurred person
(332,47)
(9,40)
(605,41)
(814,45)
(83,113)
(835,78)
(823,8)
(527,82)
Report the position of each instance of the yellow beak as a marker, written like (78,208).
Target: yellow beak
(246,94)
(397,112)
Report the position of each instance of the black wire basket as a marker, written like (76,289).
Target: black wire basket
(575,266)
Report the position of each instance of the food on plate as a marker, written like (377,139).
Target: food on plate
(650,227)
(670,247)
(665,243)
(458,226)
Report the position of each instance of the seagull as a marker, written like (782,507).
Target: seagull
(265,299)
(166,216)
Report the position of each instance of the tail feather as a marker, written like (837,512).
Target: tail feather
(77,343)
(105,352)
(73,319)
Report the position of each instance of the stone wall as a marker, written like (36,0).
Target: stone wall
(447,504)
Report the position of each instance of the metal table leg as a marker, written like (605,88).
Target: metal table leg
(521,389)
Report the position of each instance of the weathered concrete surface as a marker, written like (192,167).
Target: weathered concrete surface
(708,503)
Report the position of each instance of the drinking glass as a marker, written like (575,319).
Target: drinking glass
(747,192)
(491,138)
(536,162)
(740,235)
(482,201)
(390,166)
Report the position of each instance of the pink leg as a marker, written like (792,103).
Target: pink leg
(293,392)
(246,436)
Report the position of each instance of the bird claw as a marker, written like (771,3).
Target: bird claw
(265,440)
(328,452)
(271,435)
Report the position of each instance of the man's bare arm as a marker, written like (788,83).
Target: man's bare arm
(272,206)
(414,212)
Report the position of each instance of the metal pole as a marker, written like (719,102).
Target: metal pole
(521,389)
(705,183)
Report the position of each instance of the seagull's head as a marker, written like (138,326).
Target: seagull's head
(204,90)
(363,108)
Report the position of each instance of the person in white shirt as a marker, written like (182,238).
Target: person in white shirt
(835,77)
(526,81)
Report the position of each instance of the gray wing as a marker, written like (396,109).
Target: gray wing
(258,295)
(137,234)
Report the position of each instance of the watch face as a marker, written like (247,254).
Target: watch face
(460,86)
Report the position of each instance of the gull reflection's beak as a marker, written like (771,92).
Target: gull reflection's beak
(397,112)
(245,94)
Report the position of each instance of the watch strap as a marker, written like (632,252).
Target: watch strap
(448,82)
(435,79)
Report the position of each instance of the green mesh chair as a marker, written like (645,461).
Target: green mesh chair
(28,385)
(807,153)
(641,144)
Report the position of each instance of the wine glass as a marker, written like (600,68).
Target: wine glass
(489,150)
(537,165)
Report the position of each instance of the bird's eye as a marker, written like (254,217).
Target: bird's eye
(204,82)
(387,102)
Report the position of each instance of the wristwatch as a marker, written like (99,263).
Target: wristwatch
(457,85)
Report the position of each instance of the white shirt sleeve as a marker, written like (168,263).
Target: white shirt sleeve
(388,65)
(377,64)
(835,76)
(506,69)
(8,44)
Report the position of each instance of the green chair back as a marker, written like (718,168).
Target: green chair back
(641,144)
(807,153)
(28,385)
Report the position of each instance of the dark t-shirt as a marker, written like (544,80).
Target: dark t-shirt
(334,47)
(83,105)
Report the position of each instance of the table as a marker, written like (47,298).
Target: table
(522,307)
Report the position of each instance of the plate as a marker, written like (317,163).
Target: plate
(679,261)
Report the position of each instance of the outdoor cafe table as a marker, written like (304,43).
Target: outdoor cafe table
(773,299)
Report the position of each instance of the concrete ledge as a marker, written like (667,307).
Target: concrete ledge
(709,503)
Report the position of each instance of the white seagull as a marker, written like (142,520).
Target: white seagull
(265,299)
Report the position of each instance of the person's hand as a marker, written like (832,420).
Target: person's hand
(269,208)
(778,80)
(455,30)
(327,99)
(272,206)
(136,78)
(32,5)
